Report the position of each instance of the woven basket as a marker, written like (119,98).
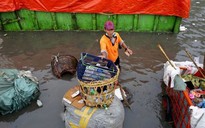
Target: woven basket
(99,92)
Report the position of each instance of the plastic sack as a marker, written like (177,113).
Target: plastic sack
(93,117)
(197,117)
(17,90)
(179,84)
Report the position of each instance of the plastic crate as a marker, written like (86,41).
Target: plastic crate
(180,102)
(98,85)
(99,68)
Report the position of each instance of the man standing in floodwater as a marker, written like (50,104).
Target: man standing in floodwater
(110,42)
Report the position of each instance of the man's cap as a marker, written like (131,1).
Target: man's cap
(109,25)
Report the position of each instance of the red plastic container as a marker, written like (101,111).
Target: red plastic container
(180,103)
(180,107)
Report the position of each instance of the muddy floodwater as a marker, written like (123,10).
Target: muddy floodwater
(141,73)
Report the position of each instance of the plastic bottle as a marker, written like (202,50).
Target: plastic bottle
(105,106)
(96,73)
(92,91)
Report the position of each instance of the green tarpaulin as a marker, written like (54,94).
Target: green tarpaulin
(17,90)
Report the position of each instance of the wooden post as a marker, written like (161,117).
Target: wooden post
(194,63)
(162,50)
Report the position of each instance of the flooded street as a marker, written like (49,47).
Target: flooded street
(141,73)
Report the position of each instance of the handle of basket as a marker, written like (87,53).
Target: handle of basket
(82,57)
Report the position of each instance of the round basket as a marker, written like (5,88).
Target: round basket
(98,93)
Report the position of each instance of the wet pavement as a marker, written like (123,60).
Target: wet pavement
(141,73)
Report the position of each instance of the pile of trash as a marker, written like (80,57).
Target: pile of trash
(77,114)
(189,78)
(93,102)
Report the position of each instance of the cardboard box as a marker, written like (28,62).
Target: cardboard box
(73,97)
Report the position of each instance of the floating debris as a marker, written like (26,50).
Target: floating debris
(39,103)
(183,28)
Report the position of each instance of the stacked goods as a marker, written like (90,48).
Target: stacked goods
(97,79)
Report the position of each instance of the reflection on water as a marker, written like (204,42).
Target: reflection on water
(141,73)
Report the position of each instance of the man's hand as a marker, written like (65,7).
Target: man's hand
(128,52)
(102,55)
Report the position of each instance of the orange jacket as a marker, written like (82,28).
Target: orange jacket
(111,49)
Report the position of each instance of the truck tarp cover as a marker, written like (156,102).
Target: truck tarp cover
(179,8)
